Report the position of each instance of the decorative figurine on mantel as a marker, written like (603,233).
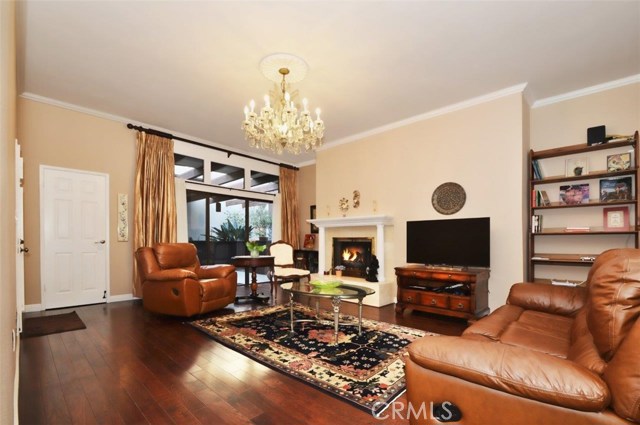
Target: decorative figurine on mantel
(372,270)
(343,204)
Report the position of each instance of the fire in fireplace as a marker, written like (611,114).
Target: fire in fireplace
(352,253)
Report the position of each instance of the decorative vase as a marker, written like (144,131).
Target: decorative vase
(255,253)
(339,273)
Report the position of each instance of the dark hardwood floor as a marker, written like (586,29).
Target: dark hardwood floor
(133,367)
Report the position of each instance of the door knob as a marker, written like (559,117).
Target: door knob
(24,249)
(102,242)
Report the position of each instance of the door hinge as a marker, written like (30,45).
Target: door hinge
(104,296)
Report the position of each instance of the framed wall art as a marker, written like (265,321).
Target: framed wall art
(615,218)
(312,215)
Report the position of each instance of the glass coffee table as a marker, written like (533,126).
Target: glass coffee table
(327,290)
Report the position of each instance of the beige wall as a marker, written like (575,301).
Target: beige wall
(8,359)
(306,197)
(526,145)
(565,123)
(397,171)
(59,137)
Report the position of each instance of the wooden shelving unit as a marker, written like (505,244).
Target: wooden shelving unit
(575,259)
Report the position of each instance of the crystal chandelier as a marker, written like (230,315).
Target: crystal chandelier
(279,127)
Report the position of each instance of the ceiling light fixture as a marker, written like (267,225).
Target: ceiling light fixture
(279,127)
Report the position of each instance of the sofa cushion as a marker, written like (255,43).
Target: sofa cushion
(614,298)
(535,330)
(493,325)
(543,332)
(583,351)
(514,370)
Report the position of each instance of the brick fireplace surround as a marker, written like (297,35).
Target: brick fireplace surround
(385,288)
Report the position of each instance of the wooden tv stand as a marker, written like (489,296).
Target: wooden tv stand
(429,289)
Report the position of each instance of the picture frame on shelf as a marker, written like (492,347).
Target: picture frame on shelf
(312,216)
(615,218)
(618,189)
(578,166)
(574,194)
(618,162)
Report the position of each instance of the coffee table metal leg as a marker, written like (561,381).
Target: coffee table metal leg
(291,310)
(359,316)
(335,302)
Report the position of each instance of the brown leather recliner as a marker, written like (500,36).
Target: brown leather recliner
(552,355)
(174,282)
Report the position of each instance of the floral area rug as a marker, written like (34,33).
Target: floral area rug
(366,370)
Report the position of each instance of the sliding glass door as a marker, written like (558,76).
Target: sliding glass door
(219,225)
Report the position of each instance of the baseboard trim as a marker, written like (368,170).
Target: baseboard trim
(119,298)
(29,308)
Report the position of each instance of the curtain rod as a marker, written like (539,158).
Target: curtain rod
(193,142)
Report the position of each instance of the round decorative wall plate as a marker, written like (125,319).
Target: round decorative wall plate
(448,198)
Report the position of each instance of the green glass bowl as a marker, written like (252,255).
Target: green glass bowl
(325,284)
(327,291)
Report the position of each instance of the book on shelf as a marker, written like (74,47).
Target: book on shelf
(577,229)
(537,172)
(559,282)
(619,138)
(536,223)
(540,198)
(545,201)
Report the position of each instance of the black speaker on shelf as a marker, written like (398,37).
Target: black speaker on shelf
(596,135)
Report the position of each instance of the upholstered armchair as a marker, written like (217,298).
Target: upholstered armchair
(284,269)
(174,282)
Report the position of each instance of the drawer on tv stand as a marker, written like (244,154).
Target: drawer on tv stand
(433,299)
(459,303)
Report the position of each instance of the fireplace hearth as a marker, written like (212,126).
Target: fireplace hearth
(354,254)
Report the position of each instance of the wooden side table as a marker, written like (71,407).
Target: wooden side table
(252,263)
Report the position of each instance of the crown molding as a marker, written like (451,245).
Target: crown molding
(123,120)
(76,108)
(428,115)
(587,91)
(306,163)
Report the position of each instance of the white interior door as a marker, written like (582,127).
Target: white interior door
(74,229)
(21,248)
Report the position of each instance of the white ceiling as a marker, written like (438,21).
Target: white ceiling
(191,66)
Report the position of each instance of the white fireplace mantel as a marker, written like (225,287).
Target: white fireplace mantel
(378,221)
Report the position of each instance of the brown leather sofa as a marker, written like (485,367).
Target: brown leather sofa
(551,355)
(174,282)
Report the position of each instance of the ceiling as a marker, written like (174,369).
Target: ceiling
(189,67)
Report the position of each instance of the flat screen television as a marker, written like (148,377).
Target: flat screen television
(462,242)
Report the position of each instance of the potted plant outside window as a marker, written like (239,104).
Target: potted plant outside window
(255,248)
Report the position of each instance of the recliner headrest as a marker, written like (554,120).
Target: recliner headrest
(176,255)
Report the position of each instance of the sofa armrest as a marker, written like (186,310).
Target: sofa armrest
(552,299)
(170,274)
(215,271)
(513,370)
